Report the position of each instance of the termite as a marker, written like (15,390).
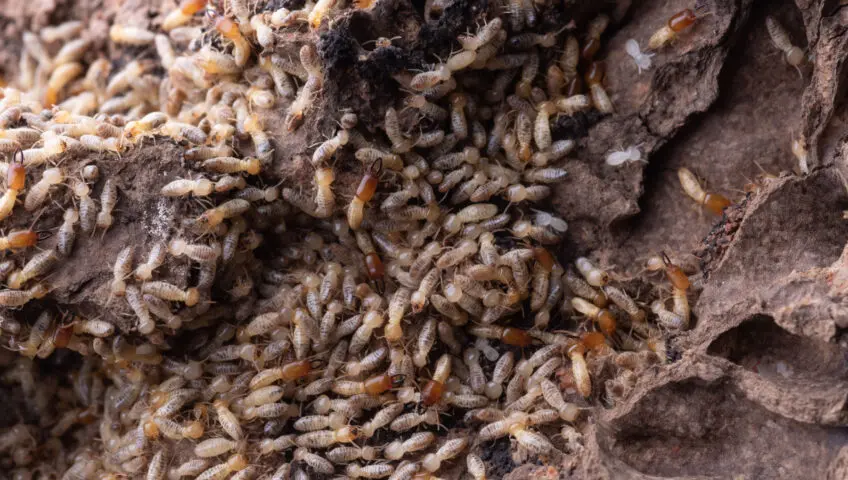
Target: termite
(123,34)
(642,60)
(450,449)
(200,187)
(37,266)
(38,192)
(108,199)
(594,79)
(364,192)
(120,271)
(63,31)
(327,438)
(429,79)
(61,76)
(594,32)
(15,182)
(229,209)
(329,148)
(182,14)
(715,202)
(230,30)
(508,335)
(167,291)
(677,23)
(631,155)
(604,319)
(324,199)
(155,258)
(373,386)
(623,300)
(19,239)
(252,166)
(666,318)
(485,34)
(198,253)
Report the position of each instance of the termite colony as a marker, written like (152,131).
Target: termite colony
(429,297)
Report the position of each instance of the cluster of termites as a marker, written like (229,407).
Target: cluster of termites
(288,331)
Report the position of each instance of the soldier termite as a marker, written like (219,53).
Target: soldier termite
(15,182)
(715,202)
(677,23)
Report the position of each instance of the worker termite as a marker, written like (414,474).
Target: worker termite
(604,319)
(324,199)
(507,335)
(108,199)
(130,35)
(799,149)
(182,14)
(167,291)
(59,78)
(252,166)
(623,300)
(329,148)
(715,202)
(677,23)
(450,449)
(594,31)
(631,155)
(230,30)
(200,187)
(38,265)
(198,253)
(233,464)
(38,192)
(594,79)
(485,34)
(429,79)
(793,55)
(120,271)
(642,60)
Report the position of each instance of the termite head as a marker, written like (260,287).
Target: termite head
(324,176)
(194,430)
(192,297)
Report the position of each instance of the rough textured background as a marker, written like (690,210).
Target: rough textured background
(760,389)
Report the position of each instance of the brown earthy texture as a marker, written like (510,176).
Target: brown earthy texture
(759,388)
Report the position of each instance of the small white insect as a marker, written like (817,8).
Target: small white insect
(643,60)
(632,154)
(545,219)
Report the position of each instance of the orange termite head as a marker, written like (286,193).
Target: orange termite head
(22,238)
(16,172)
